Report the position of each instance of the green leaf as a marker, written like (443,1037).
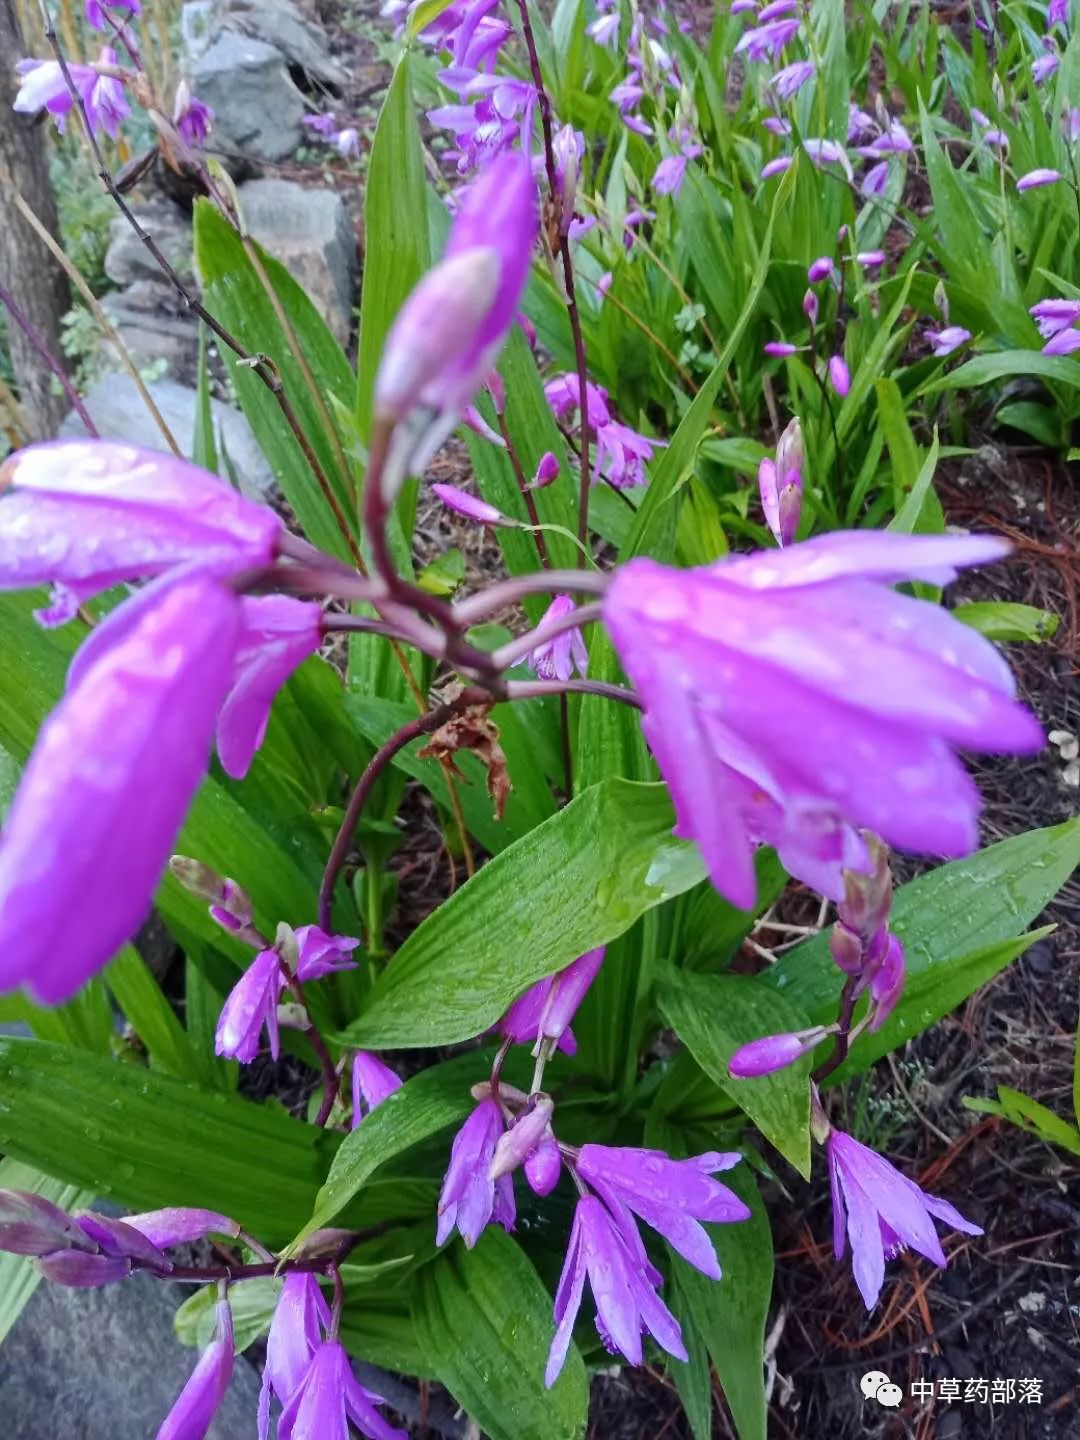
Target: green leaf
(18,1278)
(713,1015)
(693,1380)
(424,1105)
(677,459)
(485,1319)
(952,916)
(233,291)
(577,881)
(424,13)
(396,246)
(203,449)
(1006,365)
(730,1315)
(252,1303)
(920,503)
(153,1019)
(148,1140)
(1001,620)
(1021,1110)
(444,574)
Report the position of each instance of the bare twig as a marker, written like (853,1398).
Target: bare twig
(36,339)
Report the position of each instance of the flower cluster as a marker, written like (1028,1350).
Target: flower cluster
(621,453)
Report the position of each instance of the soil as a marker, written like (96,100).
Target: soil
(1008,1306)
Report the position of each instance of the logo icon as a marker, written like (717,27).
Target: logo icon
(876,1385)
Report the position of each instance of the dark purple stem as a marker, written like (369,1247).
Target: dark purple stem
(37,340)
(423,725)
(568,274)
(331,1078)
(848,996)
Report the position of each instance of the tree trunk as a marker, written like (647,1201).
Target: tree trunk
(27,270)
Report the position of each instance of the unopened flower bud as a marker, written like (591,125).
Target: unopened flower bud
(32,1225)
(820,270)
(441,315)
(471,506)
(230,904)
(180,1225)
(790,454)
(543,1166)
(82,1272)
(567,148)
(846,949)
(868,896)
(121,1241)
(516,1144)
(773,1052)
(839,375)
(546,472)
(810,306)
(887,984)
(568,989)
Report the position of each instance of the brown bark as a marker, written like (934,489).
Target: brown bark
(26,269)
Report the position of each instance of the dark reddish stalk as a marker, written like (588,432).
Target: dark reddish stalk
(848,997)
(331,1078)
(37,340)
(568,273)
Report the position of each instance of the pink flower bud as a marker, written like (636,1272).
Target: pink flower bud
(568,989)
(471,506)
(781,348)
(544,1166)
(771,1052)
(887,984)
(82,1272)
(32,1225)
(546,471)
(820,270)
(839,375)
(810,306)
(846,949)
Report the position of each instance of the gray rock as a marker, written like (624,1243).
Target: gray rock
(117,410)
(154,326)
(283,25)
(127,257)
(309,231)
(105,1365)
(196,27)
(257,108)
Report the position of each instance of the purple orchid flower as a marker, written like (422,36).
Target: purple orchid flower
(193,1413)
(106,788)
(191,117)
(319,954)
(780,483)
(1065,342)
(296,1332)
(328,1398)
(372,1083)
(252,1004)
(763,736)
(1052,316)
(559,657)
(669,175)
(611,1255)
(87,514)
(884,1212)
(278,633)
(469,1198)
(320,124)
(790,80)
(765,42)
(1044,67)
(671,1196)
(95,11)
(944,342)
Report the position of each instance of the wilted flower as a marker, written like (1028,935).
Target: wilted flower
(192,1415)
(470,1199)
(884,1212)
(372,1083)
(671,1196)
(944,342)
(605,29)
(791,696)
(252,1004)
(623,1285)
(328,1398)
